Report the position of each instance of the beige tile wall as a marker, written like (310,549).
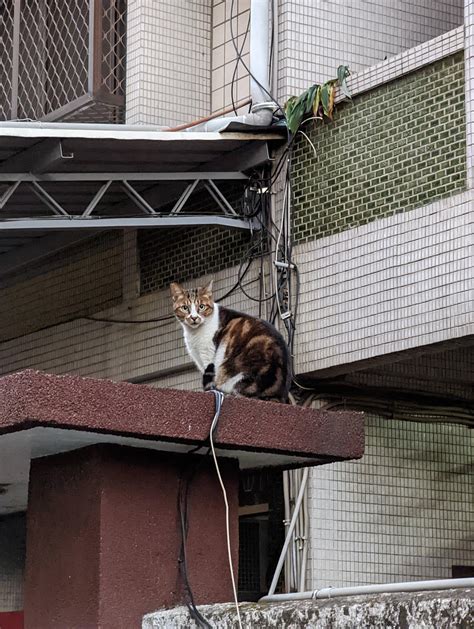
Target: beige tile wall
(229,78)
(399,514)
(316,37)
(394,284)
(168,61)
(181,60)
(109,350)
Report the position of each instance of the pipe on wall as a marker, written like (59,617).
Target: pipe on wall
(380,588)
(262,109)
(289,536)
(259,50)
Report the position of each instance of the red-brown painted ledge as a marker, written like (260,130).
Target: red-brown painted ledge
(30,399)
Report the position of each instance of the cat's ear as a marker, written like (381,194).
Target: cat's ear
(176,290)
(207,290)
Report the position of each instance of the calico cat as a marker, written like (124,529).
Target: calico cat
(235,352)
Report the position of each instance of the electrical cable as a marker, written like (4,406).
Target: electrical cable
(169,317)
(183,501)
(183,496)
(234,74)
(219,397)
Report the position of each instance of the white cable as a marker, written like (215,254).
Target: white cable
(219,396)
(280,232)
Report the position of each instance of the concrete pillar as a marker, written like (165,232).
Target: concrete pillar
(103,536)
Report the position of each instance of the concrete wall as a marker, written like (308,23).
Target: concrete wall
(396,284)
(225,75)
(317,36)
(399,514)
(168,61)
(389,150)
(443,610)
(181,59)
(76,282)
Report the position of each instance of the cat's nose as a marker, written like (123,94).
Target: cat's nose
(194,318)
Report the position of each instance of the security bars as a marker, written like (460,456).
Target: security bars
(62,60)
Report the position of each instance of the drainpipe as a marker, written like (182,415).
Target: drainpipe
(263,108)
(381,588)
(259,50)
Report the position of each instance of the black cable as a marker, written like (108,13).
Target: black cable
(184,484)
(134,321)
(164,317)
(193,464)
(234,74)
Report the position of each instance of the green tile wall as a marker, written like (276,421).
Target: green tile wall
(183,254)
(390,150)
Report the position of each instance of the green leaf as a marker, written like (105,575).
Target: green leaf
(310,94)
(325,95)
(332,95)
(317,101)
(342,74)
(295,115)
(290,103)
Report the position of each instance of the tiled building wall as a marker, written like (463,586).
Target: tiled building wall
(389,150)
(449,372)
(114,350)
(227,75)
(317,36)
(168,61)
(395,284)
(185,254)
(469,74)
(12,561)
(76,282)
(401,513)
(167,255)
(181,59)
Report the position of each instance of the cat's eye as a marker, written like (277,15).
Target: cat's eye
(202,307)
(185,308)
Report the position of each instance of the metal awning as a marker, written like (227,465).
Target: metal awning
(59,178)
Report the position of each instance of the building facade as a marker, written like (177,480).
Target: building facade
(382,228)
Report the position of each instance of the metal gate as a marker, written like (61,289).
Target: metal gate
(62,60)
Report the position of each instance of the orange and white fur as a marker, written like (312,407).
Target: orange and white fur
(236,353)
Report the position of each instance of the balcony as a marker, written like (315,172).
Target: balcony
(62,61)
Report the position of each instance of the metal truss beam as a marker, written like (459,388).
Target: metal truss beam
(178,206)
(8,193)
(137,198)
(93,204)
(148,222)
(129,176)
(141,203)
(219,198)
(47,199)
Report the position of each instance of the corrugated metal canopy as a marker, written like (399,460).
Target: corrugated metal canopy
(63,177)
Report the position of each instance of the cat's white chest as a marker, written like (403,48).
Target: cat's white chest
(200,342)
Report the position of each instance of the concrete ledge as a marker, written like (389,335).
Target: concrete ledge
(32,399)
(449,609)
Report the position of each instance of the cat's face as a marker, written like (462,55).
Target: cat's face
(192,306)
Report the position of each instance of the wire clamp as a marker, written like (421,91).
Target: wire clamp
(283,265)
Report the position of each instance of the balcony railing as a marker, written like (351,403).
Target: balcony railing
(62,60)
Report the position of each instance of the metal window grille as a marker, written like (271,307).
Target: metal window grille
(62,60)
